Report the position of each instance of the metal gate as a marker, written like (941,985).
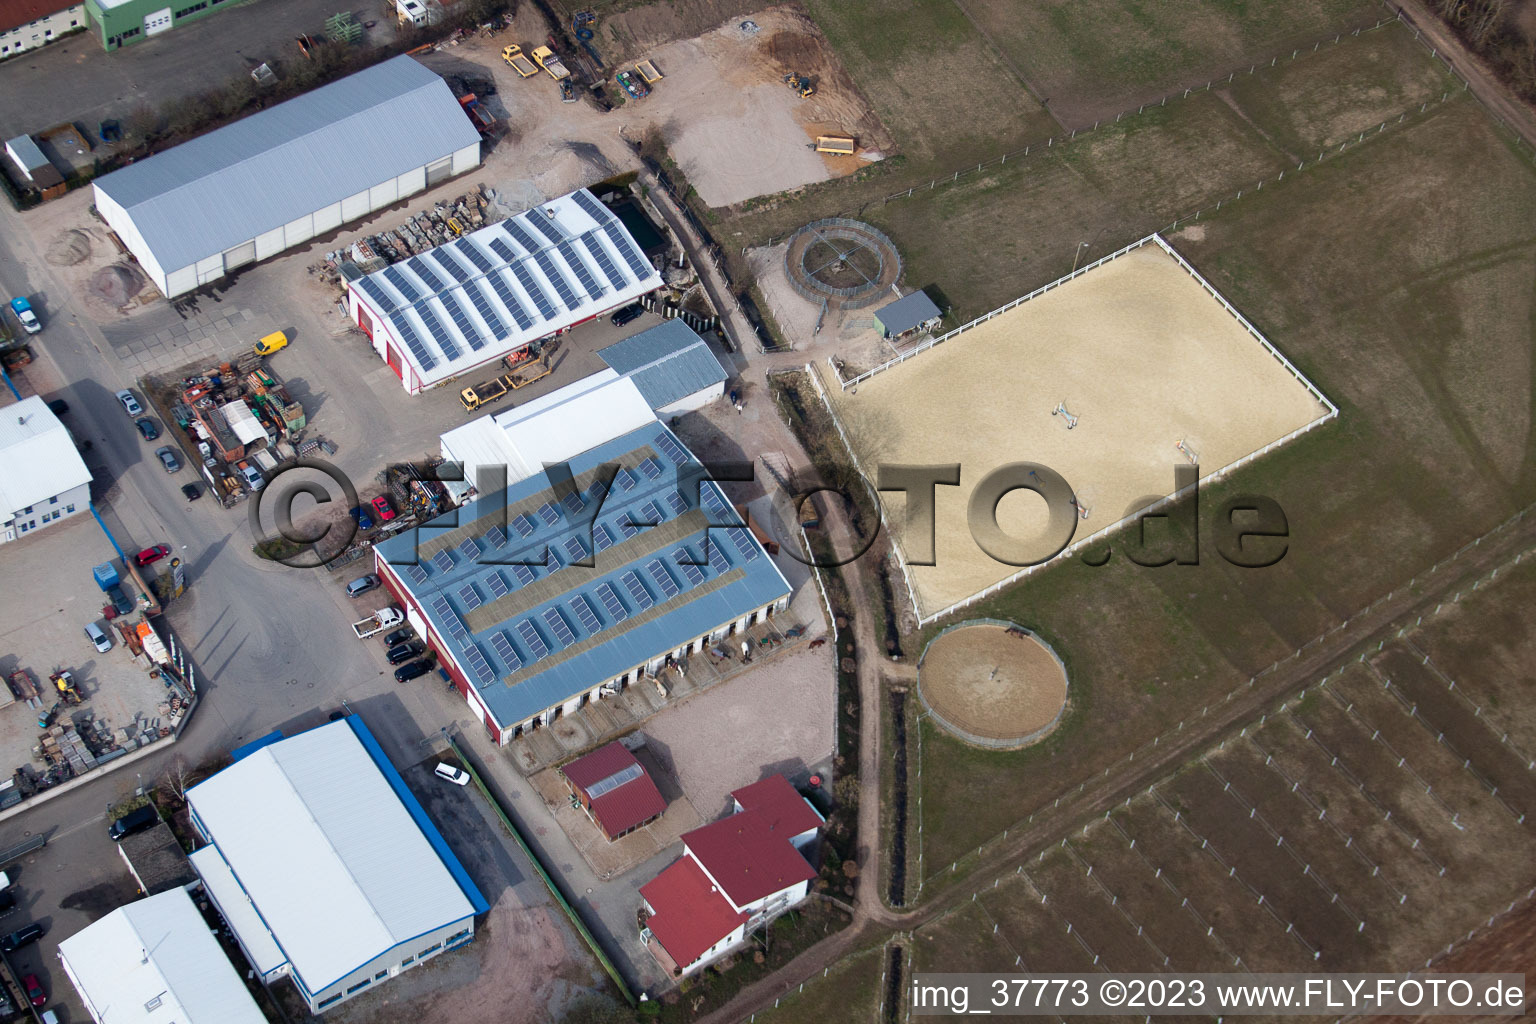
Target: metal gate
(240,255)
(439,171)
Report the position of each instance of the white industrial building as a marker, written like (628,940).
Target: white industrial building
(288,174)
(28,24)
(42,477)
(466,305)
(325,866)
(156,962)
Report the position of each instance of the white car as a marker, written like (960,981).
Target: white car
(96,636)
(457,776)
(130,404)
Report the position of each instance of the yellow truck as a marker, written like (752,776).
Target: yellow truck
(513,55)
(273,342)
(835,144)
(477,395)
(545,58)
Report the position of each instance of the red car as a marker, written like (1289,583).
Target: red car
(383,509)
(154,554)
(35,990)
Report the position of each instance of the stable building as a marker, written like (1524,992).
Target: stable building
(325,866)
(561,590)
(734,876)
(612,786)
(288,174)
(496,292)
(156,962)
(43,480)
(907,315)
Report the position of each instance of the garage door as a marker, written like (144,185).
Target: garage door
(393,359)
(240,255)
(157,22)
(439,171)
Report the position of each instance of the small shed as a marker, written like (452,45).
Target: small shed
(156,860)
(34,166)
(614,789)
(915,312)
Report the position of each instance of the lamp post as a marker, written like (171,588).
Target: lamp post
(1078,255)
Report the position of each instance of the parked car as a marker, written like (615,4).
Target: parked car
(21,937)
(147,429)
(191,491)
(23,310)
(273,342)
(457,776)
(403,652)
(626,315)
(364,522)
(168,459)
(361,585)
(383,509)
(58,407)
(399,636)
(151,555)
(134,822)
(130,404)
(405,673)
(253,479)
(35,992)
(94,634)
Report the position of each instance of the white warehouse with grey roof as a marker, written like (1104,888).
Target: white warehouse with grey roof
(288,174)
(465,305)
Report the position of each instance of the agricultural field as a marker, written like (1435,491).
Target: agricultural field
(848,992)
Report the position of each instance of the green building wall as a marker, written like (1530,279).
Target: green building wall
(131,22)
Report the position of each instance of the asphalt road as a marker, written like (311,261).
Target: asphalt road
(76,80)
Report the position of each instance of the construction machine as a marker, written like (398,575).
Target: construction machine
(801,84)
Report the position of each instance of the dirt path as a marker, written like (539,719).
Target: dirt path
(1518,116)
(1343,645)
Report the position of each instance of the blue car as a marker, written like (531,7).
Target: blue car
(364,522)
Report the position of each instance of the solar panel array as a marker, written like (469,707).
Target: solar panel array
(420,269)
(380,297)
(575,548)
(663,578)
(482,304)
(642,597)
(523,525)
(671,449)
(650,467)
(478,665)
(558,627)
(598,489)
(743,542)
(450,619)
(504,649)
(625,478)
(602,537)
(417,574)
(552,560)
(496,537)
(650,514)
(610,599)
(460,273)
(531,639)
(676,503)
(591,207)
(552,272)
(470,596)
(545,226)
(402,285)
(604,262)
(461,320)
(407,331)
(627,527)
(467,249)
(520,235)
(469,548)
(637,264)
(442,562)
(585,614)
(549,513)
(522,574)
(502,249)
(629,773)
(572,501)
(717,559)
(498,584)
(685,565)
(435,328)
(567,252)
(531,286)
(509,299)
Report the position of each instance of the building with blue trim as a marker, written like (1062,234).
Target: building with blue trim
(557,591)
(671,365)
(325,865)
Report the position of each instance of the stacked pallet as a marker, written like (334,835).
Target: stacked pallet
(64,744)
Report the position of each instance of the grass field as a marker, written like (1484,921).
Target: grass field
(1092,58)
(849,993)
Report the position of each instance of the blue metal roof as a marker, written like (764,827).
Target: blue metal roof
(668,362)
(907,312)
(530,626)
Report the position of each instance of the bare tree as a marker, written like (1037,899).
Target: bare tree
(180,777)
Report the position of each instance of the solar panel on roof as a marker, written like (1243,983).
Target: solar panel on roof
(605,263)
(575,548)
(712,500)
(642,597)
(531,286)
(407,332)
(590,206)
(416,573)
(523,525)
(522,574)
(625,478)
(380,297)
(478,665)
(598,489)
(650,515)
(469,251)
(671,449)
(572,501)
(401,283)
(589,283)
(470,596)
(520,235)
(545,225)
(717,559)
(531,639)
(627,527)
(454,267)
(439,333)
(549,513)
(585,614)
(498,584)
(629,773)
(610,599)
(553,275)
(650,467)
(420,269)
(638,265)
(602,537)
(496,537)
(442,562)
(558,627)
(676,503)
(743,542)
(552,560)
(504,649)
(686,565)
(469,548)
(502,249)
(509,299)
(487,311)
(466,326)
(663,578)
(444,611)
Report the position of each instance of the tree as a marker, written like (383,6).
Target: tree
(180,777)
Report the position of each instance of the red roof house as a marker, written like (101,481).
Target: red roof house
(735,874)
(615,790)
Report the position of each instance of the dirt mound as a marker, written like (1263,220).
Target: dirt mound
(118,284)
(793,50)
(70,248)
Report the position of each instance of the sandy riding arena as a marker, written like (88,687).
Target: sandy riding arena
(996,685)
(1112,379)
